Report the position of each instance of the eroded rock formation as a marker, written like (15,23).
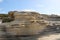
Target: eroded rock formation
(26,23)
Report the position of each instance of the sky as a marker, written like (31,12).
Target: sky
(42,6)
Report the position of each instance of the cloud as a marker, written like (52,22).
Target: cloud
(53,1)
(24,10)
(27,10)
(30,10)
(1,1)
(39,5)
(1,9)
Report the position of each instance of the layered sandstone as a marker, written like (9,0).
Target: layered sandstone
(26,23)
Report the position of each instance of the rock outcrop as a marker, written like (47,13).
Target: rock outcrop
(26,23)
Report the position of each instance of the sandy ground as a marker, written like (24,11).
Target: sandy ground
(50,37)
(47,37)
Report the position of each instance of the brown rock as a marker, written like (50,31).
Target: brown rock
(26,23)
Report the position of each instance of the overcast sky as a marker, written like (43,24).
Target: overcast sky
(42,6)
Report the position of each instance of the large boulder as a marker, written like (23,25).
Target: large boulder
(26,23)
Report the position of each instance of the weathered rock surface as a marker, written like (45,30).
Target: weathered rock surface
(27,26)
(26,23)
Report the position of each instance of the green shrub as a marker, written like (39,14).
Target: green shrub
(7,20)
